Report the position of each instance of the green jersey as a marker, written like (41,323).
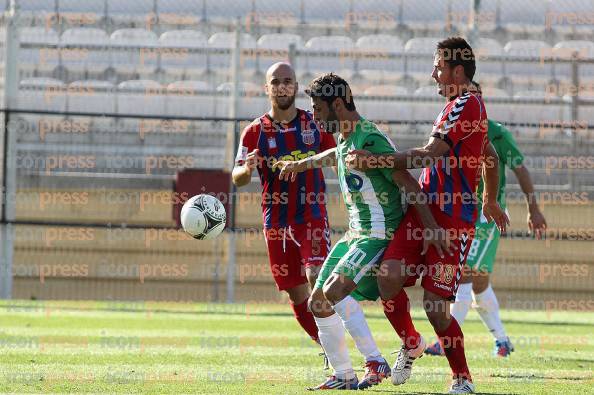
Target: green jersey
(509,156)
(372,198)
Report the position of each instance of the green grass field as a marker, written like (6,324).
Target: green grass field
(137,347)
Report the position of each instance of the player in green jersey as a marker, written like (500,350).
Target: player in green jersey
(481,255)
(375,207)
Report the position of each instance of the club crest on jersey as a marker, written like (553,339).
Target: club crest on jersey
(354,182)
(271,143)
(308,136)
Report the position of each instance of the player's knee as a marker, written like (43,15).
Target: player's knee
(335,291)
(298,294)
(438,312)
(439,321)
(480,282)
(312,272)
(331,292)
(388,281)
(315,301)
(311,304)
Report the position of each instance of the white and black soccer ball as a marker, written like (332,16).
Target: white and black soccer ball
(203,217)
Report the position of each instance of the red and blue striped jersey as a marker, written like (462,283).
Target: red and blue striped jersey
(451,182)
(284,202)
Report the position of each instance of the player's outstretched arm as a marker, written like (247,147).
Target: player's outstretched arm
(289,169)
(434,235)
(536,221)
(414,158)
(242,174)
(491,209)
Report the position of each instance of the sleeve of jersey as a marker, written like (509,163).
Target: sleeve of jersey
(508,152)
(326,141)
(463,118)
(378,144)
(247,143)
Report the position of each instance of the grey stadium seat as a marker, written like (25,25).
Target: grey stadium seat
(374,62)
(39,57)
(178,61)
(95,59)
(274,48)
(338,58)
(142,58)
(221,63)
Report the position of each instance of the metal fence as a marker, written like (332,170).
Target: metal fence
(102,108)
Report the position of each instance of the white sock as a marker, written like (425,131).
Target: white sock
(488,308)
(332,338)
(354,321)
(459,309)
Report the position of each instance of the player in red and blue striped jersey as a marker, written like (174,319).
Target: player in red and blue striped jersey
(453,159)
(294,211)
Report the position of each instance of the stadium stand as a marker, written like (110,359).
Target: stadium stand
(180,61)
(221,63)
(379,57)
(89,56)
(38,54)
(330,53)
(172,58)
(274,47)
(129,63)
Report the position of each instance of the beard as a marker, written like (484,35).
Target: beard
(441,89)
(284,102)
(332,124)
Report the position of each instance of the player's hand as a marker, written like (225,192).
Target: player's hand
(440,240)
(537,223)
(358,160)
(288,169)
(253,159)
(493,212)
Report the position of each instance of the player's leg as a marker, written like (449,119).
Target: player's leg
(484,297)
(397,271)
(354,278)
(298,297)
(481,244)
(312,242)
(331,330)
(285,265)
(478,254)
(451,337)
(440,284)
(460,307)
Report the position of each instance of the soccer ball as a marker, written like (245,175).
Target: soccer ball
(203,217)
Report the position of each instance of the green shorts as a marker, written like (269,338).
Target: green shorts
(481,255)
(357,259)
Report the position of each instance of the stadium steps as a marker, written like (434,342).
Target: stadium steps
(153,207)
(521,264)
(127,249)
(107,289)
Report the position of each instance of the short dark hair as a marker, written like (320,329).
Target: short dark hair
(457,52)
(478,87)
(329,87)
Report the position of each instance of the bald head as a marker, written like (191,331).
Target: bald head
(280,70)
(281,85)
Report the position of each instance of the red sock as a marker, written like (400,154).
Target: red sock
(306,319)
(397,310)
(452,341)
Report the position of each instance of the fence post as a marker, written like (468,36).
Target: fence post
(233,110)
(8,174)
(575,81)
(473,32)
